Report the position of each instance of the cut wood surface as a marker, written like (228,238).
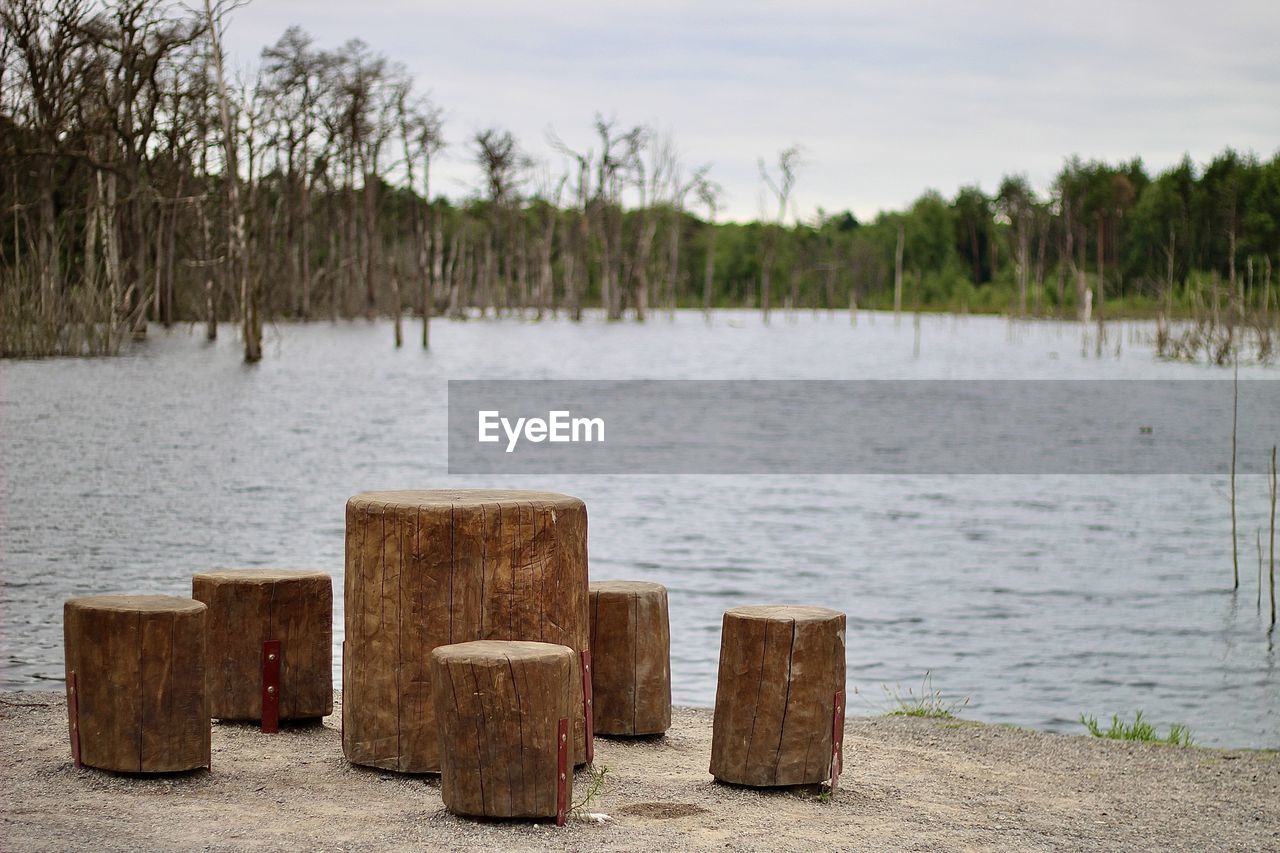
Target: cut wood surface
(631,657)
(139,664)
(780,669)
(498,707)
(431,568)
(247,607)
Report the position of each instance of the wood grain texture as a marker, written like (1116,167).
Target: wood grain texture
(140,674)
(430,568)
(780,668)
(497,707)
(250,606)
(631,654)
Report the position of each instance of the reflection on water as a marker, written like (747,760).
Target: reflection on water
(1038,597)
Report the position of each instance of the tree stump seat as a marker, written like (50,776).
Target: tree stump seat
(779,713)
(432,568)
(135,667)
(270,636)
(503,712)
(631,658)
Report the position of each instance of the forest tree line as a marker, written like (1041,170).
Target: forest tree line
(145,183)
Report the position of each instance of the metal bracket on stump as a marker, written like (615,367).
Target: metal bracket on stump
(271,686)
(73,716)
(587,705)
(562,771)
(837,741)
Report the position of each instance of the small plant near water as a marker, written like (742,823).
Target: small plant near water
(929,702)
(1139,729)
(582,808)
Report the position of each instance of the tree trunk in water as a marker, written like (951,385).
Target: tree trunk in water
(709,271)
(372,245)
(48,246)
(250,324)
(399,304)
(897,273)
(766,275)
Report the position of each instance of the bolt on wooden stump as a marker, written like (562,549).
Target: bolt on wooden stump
(253,615)
(780,687)
(136,682)
(502,712)
(431,568)
(631,654)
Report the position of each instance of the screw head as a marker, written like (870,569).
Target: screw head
(562,738)
(271,656)
(561,777)
(271,691)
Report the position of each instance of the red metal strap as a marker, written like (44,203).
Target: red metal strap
(587,705)
(562,770)
(73,716)
(271,686)
(837,740)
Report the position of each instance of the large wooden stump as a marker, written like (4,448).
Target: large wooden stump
(501,710)
(135,682)
(779,695)
(631,658)
(257,613)
(430,568)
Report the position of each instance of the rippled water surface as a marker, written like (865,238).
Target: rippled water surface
(1036,597)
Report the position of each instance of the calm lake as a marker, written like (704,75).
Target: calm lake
(1036,598)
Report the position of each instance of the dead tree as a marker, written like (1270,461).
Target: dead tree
(251,323)
(710,194)
(420,133)
(780,187)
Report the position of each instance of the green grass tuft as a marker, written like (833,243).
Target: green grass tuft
(928,703)
(1139,730)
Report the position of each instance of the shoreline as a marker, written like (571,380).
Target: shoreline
(908,783)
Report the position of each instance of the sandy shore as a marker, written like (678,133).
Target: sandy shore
(909,784)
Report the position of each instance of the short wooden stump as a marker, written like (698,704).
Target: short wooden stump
(135,682)
(779,697)
(430,568)
(631,658)
(503,712)
(253,615)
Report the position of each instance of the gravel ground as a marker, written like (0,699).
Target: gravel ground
(909,784)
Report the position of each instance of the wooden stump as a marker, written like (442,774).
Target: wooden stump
(135,682)
(781,686)
(498,709)
(631,658)
(427,569)
(251,607)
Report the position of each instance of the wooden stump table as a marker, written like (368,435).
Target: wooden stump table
(270,653)
(503,712)
(135,682)
(431,568)
(779,714)
(631,658)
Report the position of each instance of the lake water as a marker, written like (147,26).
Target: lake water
(1034,597)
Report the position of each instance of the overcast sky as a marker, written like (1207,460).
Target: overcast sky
(887,99)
